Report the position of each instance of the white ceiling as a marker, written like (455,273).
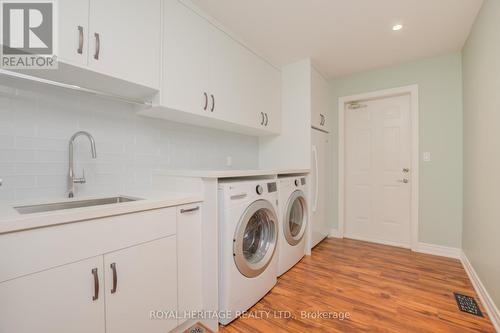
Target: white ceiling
(346,36)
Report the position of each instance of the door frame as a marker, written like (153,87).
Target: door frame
(412,90)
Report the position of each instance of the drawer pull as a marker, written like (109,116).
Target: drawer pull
(80,40)
(97,45)
(96,285)
(115,278)
(189,210)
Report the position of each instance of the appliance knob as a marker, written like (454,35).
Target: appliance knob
(259,189)
(297,182)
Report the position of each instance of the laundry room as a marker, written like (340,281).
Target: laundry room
(200,166)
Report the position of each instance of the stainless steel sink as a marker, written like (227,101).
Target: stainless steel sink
(72,204)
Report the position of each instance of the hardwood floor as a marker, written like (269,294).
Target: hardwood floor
(383,288)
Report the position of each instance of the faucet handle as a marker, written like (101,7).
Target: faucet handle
(81,180)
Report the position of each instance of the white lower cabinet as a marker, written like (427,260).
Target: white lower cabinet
(62,299)
(189,260)
(122,274)
(139,280)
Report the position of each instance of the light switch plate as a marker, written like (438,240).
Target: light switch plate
(229,161)
(427,156)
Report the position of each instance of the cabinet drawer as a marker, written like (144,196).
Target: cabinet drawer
(31,251)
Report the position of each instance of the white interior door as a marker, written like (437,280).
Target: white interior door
(377,171)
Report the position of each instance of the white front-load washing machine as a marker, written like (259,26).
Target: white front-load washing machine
(293,217)
(248,238)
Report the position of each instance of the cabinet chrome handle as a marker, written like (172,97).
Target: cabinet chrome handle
(115,278)
(96,284)
(206,101)
(267,119)
(189,210)
(213,103)
(97,46)
(80,40)
(262,118)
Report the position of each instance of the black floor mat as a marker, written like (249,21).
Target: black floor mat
(468,304)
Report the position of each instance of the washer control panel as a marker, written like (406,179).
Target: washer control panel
(272,187)
(259,189)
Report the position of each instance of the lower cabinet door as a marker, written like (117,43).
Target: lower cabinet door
(141,288)
(68,298)
(189,260)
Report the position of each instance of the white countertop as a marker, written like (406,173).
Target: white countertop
(11,220)
(230,173)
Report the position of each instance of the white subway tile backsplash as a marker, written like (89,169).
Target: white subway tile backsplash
(37,121)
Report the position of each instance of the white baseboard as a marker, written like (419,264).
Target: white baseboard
(439,250)
(485,298)
(334,233)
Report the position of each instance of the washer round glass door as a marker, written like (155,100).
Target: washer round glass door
(255,239)
(295,219)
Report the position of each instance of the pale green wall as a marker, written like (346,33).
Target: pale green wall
(481,71)
(440,98)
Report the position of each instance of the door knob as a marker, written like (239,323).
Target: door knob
(405,181)
(406,170)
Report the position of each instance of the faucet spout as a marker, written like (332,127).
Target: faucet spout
(71,172)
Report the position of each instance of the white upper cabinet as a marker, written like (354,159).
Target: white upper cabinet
(110,46)
(186,60)
(321,102)
(210,79)
(125,40)
(73,31)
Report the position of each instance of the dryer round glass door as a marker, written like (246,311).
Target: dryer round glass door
(295,219)
(255,239)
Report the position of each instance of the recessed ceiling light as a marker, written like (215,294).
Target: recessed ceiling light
(397,27)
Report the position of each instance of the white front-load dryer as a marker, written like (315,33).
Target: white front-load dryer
(248,238)
(293,217)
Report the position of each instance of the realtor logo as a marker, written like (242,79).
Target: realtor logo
(28,34)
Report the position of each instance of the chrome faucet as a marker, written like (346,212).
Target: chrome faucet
(72,179)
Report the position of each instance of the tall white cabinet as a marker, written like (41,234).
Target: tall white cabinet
(321,166)
(320,186)
(305,141)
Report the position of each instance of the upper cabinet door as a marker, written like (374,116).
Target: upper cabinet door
(125,40)
(62,299)
(141,279)
(73,31)
(245,86)
(186,60)
(321,102)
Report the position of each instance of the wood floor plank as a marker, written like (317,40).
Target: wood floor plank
(383,288)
